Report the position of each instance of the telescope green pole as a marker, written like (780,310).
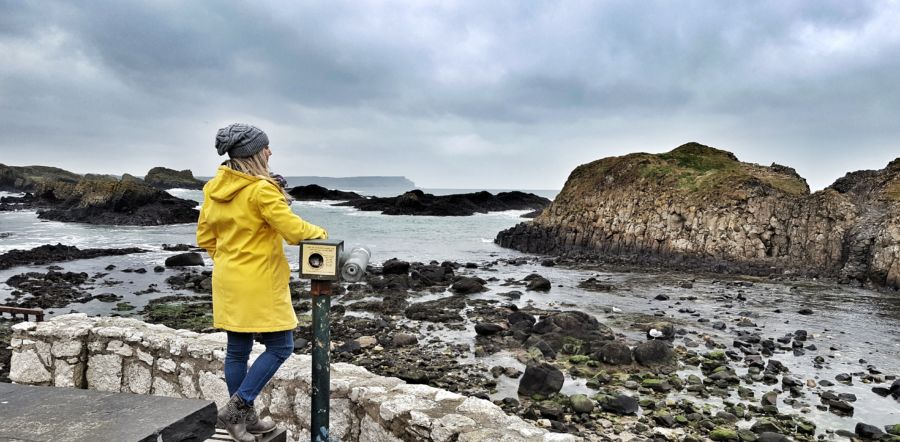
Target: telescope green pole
(321,376)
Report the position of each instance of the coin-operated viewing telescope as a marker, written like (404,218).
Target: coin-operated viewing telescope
(323,262)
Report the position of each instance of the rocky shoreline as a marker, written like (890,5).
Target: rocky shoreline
(690,367)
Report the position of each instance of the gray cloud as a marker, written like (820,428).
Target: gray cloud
(450,94)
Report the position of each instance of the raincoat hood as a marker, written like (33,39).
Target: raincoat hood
(228,183)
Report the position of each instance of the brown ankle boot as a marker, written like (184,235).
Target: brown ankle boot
(233,417)
(255,425)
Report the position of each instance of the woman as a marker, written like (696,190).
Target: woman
(244,220)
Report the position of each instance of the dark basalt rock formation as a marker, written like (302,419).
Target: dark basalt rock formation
(314,192)
(93,199)
(48,253)
(698,207)
(164,178)
(28,178)
(416,202)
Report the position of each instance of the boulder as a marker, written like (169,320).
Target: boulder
(572,332)
(772,437)
(543,379)
(404,340)
(488,328)
(653,352)
(614,353)
(185,259)
(520,320)
(867,431)
(581,403)
(620,404)
(468,285)
(539,284)
(395,266)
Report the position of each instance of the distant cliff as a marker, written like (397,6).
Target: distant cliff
(699,207)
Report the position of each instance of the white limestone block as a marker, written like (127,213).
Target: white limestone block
(369,430)
(119,348)
(66,348)
(64,374)
(396,405)
(166,365)
(26,368)
(137,378)
(341,418)
(188,388)
(162,387)
(213,388)
(145,357)
(24,327)
(104,372)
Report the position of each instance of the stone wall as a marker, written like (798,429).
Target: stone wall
(127,355)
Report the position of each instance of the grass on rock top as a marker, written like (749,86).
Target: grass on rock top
(705,171)
(692,169)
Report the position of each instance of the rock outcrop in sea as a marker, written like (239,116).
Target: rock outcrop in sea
(699,207)
(60,195)
(164,178)
(315,192)
(417,202)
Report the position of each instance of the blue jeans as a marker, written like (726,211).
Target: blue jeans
(248,384)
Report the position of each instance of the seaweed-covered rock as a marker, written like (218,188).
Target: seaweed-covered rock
(572,332)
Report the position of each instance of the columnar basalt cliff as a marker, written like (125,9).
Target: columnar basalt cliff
(699,207)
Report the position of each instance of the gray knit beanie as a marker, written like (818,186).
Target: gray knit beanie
(240,140)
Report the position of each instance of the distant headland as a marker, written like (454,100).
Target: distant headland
(392,182)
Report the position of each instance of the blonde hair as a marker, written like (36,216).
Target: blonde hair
(256,165)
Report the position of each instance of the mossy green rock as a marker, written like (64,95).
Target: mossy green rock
(722,433)
(893,429)
(581,403)
(579,359)
(124,307)
(747,435)
(716,355)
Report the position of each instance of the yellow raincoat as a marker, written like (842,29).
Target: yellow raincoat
(243,224)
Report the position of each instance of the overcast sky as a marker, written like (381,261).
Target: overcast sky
(496,94)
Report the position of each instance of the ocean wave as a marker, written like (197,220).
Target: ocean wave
(323,203)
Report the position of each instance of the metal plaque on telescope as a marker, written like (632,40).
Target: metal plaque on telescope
(320,259)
